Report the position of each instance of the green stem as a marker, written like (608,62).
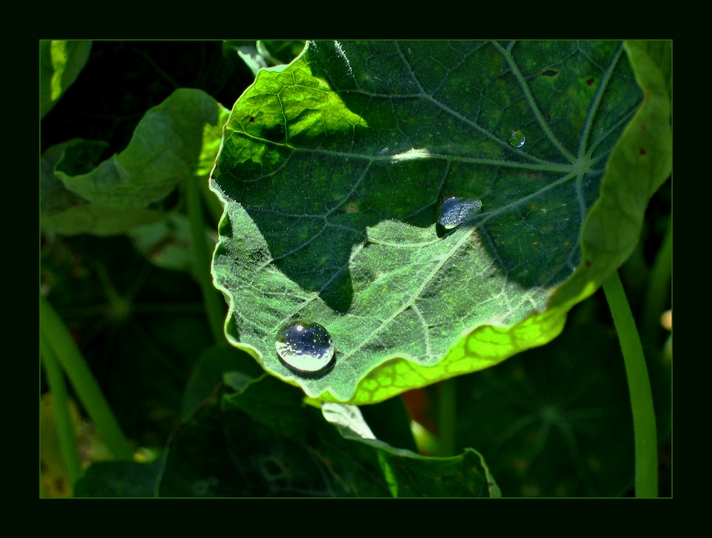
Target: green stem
(63,417)
(447,409)
(59,341)
(214,304)
(641,397)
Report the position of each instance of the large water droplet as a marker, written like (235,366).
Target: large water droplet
(454,211)
(517,139)
(305,346)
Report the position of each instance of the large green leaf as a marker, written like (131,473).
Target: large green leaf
(332,171)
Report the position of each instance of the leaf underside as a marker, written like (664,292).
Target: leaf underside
(332,171)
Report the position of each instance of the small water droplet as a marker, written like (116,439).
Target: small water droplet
(305,346)
(455,211)
(517,139)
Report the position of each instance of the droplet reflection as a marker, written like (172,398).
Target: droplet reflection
(305,346)
(454,211)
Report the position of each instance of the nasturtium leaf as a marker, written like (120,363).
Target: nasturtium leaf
(66,213)
(166,148)
(119,479)
(60,65)
(266,442)
(332,171)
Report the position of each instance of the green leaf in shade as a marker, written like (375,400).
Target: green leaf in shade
(60,65)
(66,213)
(119,479)
(209,371)
(332,171)
(265,442)
(166,148)
(168,243)
(248,459)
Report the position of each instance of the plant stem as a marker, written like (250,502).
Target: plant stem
(214,305)
(63,417)
(447,409)
(641,397)
(59,341)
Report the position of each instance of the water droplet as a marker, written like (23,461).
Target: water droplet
(305,346)
(517,139)
(454,211)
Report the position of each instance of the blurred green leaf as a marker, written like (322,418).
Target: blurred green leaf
(166,148)
(65,213)
(119,479)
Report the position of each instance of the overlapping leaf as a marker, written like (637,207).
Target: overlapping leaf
(177,140)
(332,170)
(265,442)
(166,148)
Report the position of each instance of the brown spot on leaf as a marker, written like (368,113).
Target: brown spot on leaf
(642,151)
(643,127)
(252,120)
(588,263)
(589,81)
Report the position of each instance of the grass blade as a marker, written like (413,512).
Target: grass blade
(58,339)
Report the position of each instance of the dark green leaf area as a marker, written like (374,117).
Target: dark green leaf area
(266,442)
(333,169)
(119,479)
(554,421)
(134,324)
(347,454)
(249,458)
(209,370)
(81,157)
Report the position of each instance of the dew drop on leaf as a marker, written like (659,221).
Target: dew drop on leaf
(517,139)
(454,211)
(305,346)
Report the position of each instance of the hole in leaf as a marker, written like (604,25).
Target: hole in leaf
(549,72)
